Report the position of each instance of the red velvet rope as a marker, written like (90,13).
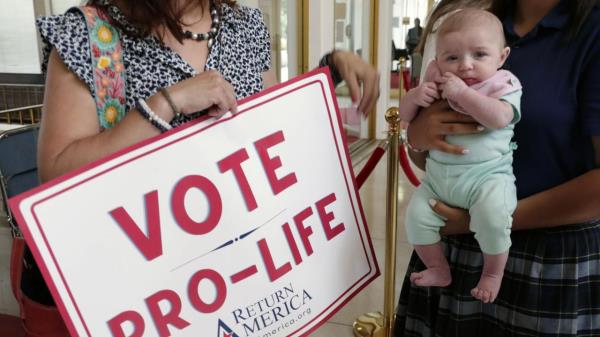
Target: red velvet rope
(406,76)
(405,164)
(369,166)
(376,157)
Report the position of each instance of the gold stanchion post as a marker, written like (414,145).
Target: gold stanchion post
(392,116)
(401,84)
(374,324)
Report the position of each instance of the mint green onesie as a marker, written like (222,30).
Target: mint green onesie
(481,181)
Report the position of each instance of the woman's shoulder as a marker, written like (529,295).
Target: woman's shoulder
(243,12)
(243,17)
(65,33)
(68,35)
(587,39)
(596,13)
(66,25)
(591,25)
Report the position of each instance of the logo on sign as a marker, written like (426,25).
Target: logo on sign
(273,314)
(225,331)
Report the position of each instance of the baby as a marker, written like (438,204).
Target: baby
(470,49)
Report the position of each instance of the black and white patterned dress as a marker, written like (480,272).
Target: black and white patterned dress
(241,53)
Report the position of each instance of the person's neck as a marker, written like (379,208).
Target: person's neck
(195,12)
(530,13)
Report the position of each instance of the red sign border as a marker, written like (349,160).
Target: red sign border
(16,201)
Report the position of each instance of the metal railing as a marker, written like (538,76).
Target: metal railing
(23,115)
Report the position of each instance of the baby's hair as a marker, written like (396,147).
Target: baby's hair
(441,10)
(472,18)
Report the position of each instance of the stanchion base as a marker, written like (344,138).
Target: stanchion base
(369,325)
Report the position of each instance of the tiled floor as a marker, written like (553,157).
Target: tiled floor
(373,196)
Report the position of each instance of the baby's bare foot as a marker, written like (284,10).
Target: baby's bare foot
(432,277)
(487,288)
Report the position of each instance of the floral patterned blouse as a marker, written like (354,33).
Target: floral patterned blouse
(241,53)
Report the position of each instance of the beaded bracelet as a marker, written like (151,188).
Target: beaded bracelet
(178,118)
(326,61)
(154,119)
(167,96)
(404,140)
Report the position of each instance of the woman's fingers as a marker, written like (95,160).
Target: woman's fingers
(451,148)
(428,130)
(457,219)
(456,123)
(460,128)
(222,98)
(357,73)
(204,91)
(370,92)
(370,89)
(216,112)
(440,208)
(231,98)
(456,117)
(353,86)
(455,129)
(219,102)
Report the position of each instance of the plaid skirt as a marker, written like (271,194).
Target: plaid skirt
(551,287)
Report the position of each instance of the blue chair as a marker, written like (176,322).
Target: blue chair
(18,164)
(18,173)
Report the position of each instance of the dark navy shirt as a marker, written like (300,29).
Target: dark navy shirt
(561,100)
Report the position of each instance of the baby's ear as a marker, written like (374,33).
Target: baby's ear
(503,56)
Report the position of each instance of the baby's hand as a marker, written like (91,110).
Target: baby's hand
(451,86)
(425,94)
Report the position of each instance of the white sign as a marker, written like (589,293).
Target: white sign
(250,225)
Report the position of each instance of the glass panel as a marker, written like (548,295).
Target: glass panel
(18,38)
(351,28)
(404,14)
(61,6)
(279,16)
(19,49)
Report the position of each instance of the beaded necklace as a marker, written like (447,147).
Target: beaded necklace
(210,35)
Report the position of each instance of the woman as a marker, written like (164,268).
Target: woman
(237,65)
(552,278)
(179,57)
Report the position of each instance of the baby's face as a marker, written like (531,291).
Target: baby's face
(474,54)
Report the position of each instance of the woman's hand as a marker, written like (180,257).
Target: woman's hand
(457,219)
(429,128)
(207,90)
(355,71)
